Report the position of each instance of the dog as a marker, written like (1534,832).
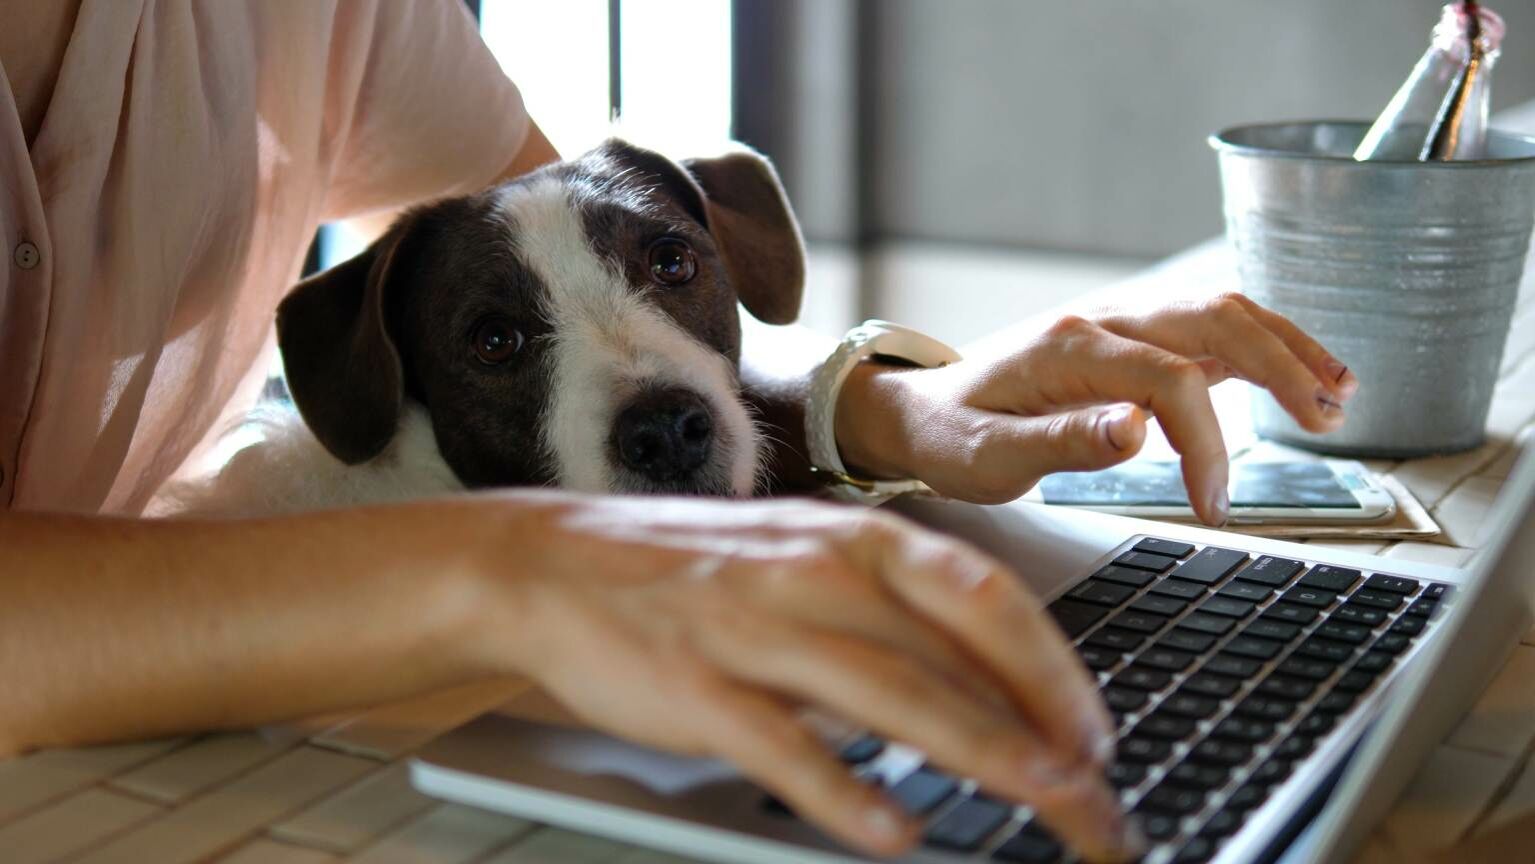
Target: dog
(576,327)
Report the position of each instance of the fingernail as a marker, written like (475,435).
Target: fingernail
(1220,505)
(1120,427)
(1132,841)
(883,823)
(1345,380)
(1046,772)
(1329,406)
(1102,743)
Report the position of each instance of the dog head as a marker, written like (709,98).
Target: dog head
(574,327)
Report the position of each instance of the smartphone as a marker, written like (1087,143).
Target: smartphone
(1261,492)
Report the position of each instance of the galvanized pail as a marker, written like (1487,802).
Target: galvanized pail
(1407,271)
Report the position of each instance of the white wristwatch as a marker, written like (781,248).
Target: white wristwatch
(868,339)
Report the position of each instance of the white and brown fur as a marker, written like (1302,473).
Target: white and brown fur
(380,359)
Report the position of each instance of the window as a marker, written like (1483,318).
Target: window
(674,77)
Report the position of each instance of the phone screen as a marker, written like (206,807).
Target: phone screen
(1160,484)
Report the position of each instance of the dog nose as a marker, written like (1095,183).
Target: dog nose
(664,434)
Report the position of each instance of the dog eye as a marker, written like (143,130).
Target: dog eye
(495,341)
(671,261)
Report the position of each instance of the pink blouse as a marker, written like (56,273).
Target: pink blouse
(189,152)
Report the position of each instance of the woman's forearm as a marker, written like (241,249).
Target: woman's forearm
(116,628)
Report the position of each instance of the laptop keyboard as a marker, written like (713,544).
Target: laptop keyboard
(1223,670)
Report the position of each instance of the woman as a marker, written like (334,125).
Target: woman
(162,166)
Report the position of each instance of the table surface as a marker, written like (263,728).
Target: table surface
(335,788)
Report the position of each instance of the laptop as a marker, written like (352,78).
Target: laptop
(1273,700)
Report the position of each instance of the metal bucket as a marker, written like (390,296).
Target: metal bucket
(1406,271)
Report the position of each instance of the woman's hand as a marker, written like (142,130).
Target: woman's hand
(703,628)
(1077,397)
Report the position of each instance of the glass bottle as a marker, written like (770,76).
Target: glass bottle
(1440,112)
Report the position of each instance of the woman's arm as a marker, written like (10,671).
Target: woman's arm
(691,625)
(116,628)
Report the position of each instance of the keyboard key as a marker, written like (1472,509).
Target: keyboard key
(1031,845)
(1270,571)
(1171,548)
(1204,622)
(1186,640)
(1115,639)
(1159,605)
(1317,723)
(1179,588)
(922,790)
(1099,659)
(1123,699)
(862,749)
(1246,798)
(1252,592)
(1306,667)
(1435,590)
(1270,773)
(1295,747)
(1265,708)
(1164,725)
(1373,662)
(1211,685)
(1392,643)
(1318,648)
(1142,678)
(1143,751)
(1075,617)
(1159,826)
(969,823)
(1285,687)
(1343,631)
(1223,824)
(1228,606)
(1189,705)
(1197,776)
(1181,800)
(1393,584)
(1214,752)
(1268,628)
(1422,608)
(1357,614)
(1197,851)
(1210,565)
(1243,729)
(1316,597)
(1329,578)
(1101,592)
(1352,682)
(1232,665)
(1407,625)
(1125,775)
(1125,576)
(1252,646)
(1336,702)
(1290,613)
(1140,622)
(1146,561)
(1167,659)
(1376,599)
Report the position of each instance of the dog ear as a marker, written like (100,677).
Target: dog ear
(756,232)
(342,367)
(736,196)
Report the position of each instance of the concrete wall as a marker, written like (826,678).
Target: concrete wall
(1075,126)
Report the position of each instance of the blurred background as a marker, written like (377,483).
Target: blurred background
(959,164)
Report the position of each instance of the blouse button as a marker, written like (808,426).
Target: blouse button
(26,255)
